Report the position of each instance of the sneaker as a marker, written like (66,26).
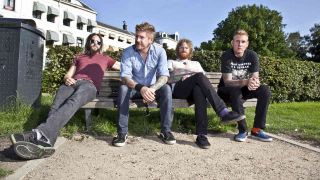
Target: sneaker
(241,136)
(167,137)
(120,140)
(232,117)
(202,142)
(27,146)
(262,136)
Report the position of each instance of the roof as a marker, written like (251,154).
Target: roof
(86,6)
(115,28)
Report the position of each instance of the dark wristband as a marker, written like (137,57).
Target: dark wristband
(138,87)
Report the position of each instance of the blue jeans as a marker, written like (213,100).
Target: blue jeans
(163,97)
(66,103)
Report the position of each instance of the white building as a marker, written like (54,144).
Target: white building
(69,22)
(167,40)
(65,22)
(114,38)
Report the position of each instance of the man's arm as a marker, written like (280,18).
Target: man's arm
(252,83)
(68,80)
(116,66)
(129,82)
(162,80)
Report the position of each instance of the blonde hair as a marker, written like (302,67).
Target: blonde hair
(241,32)
(188,42)
(147,27)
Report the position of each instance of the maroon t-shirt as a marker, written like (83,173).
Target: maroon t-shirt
(92,68)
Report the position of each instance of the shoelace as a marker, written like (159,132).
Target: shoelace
(30,137)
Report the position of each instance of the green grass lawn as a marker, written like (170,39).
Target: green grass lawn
(300,120)
(4,172)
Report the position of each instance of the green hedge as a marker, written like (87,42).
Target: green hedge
(289,80)
(209,60)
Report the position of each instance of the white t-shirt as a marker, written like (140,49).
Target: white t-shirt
(183,68)
(187,65)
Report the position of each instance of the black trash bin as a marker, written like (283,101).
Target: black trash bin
(21,59)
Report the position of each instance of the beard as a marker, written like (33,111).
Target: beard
(184,55)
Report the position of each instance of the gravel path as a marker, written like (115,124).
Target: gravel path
(149,158)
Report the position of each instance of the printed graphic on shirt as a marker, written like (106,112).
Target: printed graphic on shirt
(240,70)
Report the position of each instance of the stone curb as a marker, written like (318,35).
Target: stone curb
(307,146)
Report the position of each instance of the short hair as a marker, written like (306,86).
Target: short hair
(241,32)
(188,42)
(147,27)
(87,49)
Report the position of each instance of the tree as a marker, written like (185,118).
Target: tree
(298,44)
(315,43)
(263,25)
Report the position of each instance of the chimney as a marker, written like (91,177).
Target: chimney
(124,26)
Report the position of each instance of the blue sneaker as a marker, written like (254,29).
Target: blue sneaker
(262,136)
(241,136)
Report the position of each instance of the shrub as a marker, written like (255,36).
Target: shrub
(209,60)
(116,55)
(291,80)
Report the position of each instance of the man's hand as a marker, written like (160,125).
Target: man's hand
(253,83)
(69,81)
(148,94)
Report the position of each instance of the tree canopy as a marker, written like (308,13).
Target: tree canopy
(263,25)
(315,43)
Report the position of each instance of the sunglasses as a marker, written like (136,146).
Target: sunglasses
(95,42)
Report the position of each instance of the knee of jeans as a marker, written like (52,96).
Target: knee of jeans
(123,89)
(235,93)
(265,91)
(166,90)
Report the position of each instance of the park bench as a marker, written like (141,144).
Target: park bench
(107,97)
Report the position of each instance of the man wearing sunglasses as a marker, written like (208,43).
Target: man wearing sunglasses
(144,72)
(81,84)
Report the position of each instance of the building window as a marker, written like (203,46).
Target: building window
(37,14)
(66,22)
(9,5)
(165,45)
(51,18)
(89,28)
(68,17)
(79,42)
(80,26)
(112,36)
(121,39)
(49,43)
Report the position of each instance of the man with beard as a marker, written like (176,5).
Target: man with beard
(193,85)
(144,72)
(81,83)
(240,80)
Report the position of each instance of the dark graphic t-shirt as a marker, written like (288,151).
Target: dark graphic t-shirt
(240,68)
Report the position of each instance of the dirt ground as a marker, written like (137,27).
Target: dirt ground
(149,158)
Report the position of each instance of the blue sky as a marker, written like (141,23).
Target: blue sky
(196,20)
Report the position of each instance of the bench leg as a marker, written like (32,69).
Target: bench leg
(88,118)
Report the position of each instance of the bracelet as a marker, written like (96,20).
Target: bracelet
(138,87)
